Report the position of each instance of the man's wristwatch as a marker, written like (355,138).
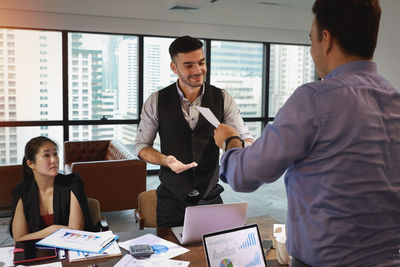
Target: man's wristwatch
(229,139)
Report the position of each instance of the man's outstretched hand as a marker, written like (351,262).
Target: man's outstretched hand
(178,166)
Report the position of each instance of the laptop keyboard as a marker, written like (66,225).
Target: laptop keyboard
(180,234)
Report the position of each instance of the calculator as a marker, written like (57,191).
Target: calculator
(141,251)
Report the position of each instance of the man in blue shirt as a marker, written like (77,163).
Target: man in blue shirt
(338,140)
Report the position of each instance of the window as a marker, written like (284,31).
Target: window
(25,79)
(106,56)
(16,138)
(103,83)
(237,67)
(290,67)
(157,73)
(126,133)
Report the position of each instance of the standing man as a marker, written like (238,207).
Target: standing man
(189,158)
(339,142)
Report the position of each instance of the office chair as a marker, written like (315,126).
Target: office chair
(99,222)
(146,213)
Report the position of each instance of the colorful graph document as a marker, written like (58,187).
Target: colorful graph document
(95,242)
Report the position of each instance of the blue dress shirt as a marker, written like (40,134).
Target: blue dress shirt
(339,142)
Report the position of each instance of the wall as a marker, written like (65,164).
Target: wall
(387,55)
(59,21)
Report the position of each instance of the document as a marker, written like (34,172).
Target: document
(129,261)
(6,256)
(95,242)
(207,113)
(52,264)
(112,251)
(163,249)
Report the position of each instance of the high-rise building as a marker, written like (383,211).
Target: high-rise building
(290,67)
(30,87)
(157,72)
(128,78)
(89,100)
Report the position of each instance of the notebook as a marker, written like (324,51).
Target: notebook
(239,246)
(27,251)
(203,219)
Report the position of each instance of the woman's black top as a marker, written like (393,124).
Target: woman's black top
(27,190)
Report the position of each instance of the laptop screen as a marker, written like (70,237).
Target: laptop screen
(234,247)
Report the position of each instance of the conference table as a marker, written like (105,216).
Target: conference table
(195,256)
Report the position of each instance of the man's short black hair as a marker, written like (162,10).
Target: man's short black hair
(184,44)
(353,23)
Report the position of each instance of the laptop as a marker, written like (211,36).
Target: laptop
(203,219)
(239,246)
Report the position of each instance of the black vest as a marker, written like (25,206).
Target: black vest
(187,145)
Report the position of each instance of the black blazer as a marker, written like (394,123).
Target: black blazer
(27,190)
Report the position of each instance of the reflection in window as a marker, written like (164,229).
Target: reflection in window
(290,67)
(237,68)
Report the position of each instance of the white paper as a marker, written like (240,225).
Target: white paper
(129,261)
(6,256)
(112,250)
(163,249)
(207,113)
(52,264)
(71,239)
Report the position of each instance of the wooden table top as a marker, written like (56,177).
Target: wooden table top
(196,255)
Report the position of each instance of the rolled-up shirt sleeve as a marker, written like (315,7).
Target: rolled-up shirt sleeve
(232,116)
(148,125)
(289,138)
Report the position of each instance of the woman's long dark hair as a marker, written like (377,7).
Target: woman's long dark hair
(31,149)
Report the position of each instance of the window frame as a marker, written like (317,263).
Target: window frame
(67,123)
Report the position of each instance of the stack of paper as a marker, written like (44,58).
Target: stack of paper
(94,242)
(164,250)
(112,251)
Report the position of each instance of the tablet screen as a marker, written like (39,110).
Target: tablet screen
(234,247)
(26,251)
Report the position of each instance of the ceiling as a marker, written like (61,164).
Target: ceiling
(254,13)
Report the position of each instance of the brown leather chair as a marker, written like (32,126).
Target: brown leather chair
(10,176)
(146,213)
(111,173)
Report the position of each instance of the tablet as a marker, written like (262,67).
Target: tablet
(28,251)
(239,246)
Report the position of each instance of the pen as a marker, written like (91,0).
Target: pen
(107,241)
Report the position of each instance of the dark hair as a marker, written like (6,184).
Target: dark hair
(353,23)
(31,149)
(184,44)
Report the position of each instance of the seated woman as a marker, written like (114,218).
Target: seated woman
(45,200)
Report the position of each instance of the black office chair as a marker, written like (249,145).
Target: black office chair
(99,222)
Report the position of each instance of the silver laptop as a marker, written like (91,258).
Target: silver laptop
(239,246)
(203,219)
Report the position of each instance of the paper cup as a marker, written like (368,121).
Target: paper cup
(281,251)
(279,229)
